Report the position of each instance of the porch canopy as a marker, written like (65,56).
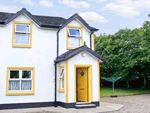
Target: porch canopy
(71,53)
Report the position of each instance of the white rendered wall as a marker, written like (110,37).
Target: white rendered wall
(61,97)
(62,36)
(87,60)
(41,56)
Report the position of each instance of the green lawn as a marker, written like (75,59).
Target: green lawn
(107,91)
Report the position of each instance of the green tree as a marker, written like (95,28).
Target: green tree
(126,52)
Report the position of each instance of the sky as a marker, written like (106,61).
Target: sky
(106,15)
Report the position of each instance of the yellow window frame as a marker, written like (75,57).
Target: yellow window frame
(13,34)
(61,90)
(67,32)
(20,92)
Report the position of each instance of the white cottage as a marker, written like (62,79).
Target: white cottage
(47,61)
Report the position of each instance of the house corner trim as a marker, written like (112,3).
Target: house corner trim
(67,77)
(98,67)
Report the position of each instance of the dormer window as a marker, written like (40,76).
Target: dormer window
(74,36)
(22,34)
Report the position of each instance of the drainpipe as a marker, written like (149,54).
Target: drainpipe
(91,39)
(55,85)
(58,42)
(56,69)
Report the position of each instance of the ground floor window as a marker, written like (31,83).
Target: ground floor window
(20,80)
(61,79)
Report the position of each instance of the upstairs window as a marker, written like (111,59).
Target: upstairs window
(22,34)
(74,36)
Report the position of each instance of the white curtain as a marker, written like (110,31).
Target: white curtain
(26,85)
(14,85)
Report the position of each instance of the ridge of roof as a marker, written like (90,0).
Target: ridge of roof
(22,11)
(76,15)
(71,53)
(50,16)
(43,21)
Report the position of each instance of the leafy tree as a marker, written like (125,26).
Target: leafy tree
(127,53)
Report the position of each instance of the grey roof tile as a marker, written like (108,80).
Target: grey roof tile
(50,20)
(4,16)
(43,21)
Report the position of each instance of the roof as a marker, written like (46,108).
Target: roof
(42,21)
(80,19)
(71,53)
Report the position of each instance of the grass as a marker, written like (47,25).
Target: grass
(107,91)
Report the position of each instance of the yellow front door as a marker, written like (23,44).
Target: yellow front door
(83,84)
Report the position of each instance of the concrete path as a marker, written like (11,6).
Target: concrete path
(132,104)
(105,107)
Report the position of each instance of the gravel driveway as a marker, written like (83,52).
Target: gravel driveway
(132,104)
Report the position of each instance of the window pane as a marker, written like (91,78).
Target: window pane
(62,82)
(26,74)
(62,72)
(14,85)
(62,78)
(14,74)
(73,42)
(22,28)
(74,32)
(26,85)
(21,38)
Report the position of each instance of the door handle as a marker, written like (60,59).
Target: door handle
(81,88)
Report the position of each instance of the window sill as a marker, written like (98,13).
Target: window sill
(61,91)
(20,93)
(26,46)
(71,47)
